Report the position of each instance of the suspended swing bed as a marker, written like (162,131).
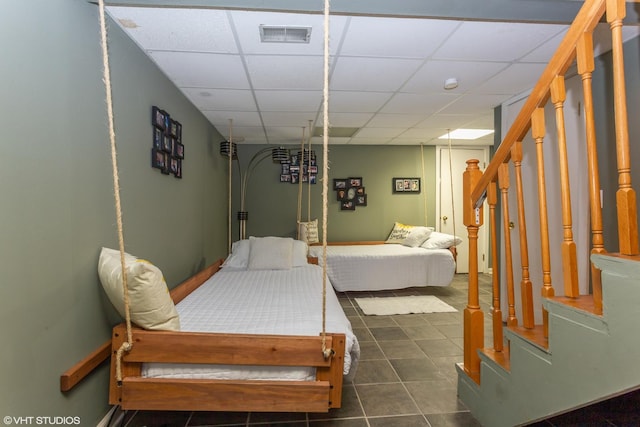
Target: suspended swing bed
(290,371)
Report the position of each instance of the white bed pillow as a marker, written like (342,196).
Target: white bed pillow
(300,252)
(270,253)
(417,236)
(441,241)
(150,304)
(308,231)
(239,256)
(399,232)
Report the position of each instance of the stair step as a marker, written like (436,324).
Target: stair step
(500,358)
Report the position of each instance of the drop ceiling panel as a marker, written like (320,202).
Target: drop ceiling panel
(285,72)
(395,38)
(444,121)
(202,70)
(221,99)
(240,118)
(346,119)
(372,74)
(289,100)
(194,30)
(495,41)
(474,104)
(371,132)
(287,119)
(395,120)
(514,79)
(411,103)
(431,76)
(353,102)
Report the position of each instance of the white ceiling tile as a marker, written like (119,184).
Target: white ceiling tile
(287,119)
(220,119)
(202,70)
(345,119)
(545,51)
(370,132)
(369,141)
(289,100)
(411,103)
(372,74)
(394,120)
(221,99)
(395,38)
(357,102)
(247,26)
(495,41)
(444,121)
(474,104)
(193,30)
(285,72)
(431,76)
(514,79)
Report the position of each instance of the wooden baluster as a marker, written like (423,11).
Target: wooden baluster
(526,288)
(585,64)
(473,316)
(503,183)
(625,196)
(568,247)
(496,310)
(538,131)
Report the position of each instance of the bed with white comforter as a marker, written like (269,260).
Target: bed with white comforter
(385,266)
(282,302)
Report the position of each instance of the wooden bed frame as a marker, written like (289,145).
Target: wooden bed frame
(137,392)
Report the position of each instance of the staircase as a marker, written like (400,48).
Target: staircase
(589,357)
(576,349)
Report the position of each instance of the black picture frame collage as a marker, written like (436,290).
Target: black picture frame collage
(350,192)
(291,170)
(167,152)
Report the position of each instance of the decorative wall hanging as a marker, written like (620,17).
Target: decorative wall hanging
(406,185)
(292,170)
(350,192)
(167,151)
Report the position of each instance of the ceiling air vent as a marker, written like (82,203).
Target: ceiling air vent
(284,34)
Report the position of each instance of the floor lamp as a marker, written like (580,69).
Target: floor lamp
(277,154)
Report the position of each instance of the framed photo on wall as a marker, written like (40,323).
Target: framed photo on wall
(406,185)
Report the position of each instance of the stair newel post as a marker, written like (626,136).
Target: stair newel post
(568,247)
(584,55)
(507,225)
(496,311)
(538,131)
(526,288)
(473,316)
(625,196)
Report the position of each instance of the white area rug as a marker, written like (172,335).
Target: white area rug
(403,305)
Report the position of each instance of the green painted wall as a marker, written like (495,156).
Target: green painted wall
(57,197)
(605,133)
(272,205)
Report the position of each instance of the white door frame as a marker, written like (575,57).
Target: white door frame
(483,261)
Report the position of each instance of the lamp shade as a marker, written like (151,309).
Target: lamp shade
(226,147)
(279,154)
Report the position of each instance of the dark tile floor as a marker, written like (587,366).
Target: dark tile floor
(406,377)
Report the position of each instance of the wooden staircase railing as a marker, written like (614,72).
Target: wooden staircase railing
(505,172)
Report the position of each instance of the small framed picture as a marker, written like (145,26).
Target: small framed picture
(313,178)
(178,134)
(178,169)
(294,178)
(348,205)
(341,194)
(158,137)
(285,168)
(167,143)
(406,185)
(293,168)
(158,118)
(313,169)
(355,182)
(158,158)
(285,177)
(360,191)
(173,128)
(339,184)
(178,150)
(361,200)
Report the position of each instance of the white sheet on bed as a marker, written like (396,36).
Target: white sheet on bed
(283,302)
(385,266)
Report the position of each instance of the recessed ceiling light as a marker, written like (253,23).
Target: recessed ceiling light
(284,34)
(466,134)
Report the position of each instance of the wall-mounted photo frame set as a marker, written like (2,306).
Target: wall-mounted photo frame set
(292,171)
(167,151)
(350,192)
(406,185)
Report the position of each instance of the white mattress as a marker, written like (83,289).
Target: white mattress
(385,266)
(283,302)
